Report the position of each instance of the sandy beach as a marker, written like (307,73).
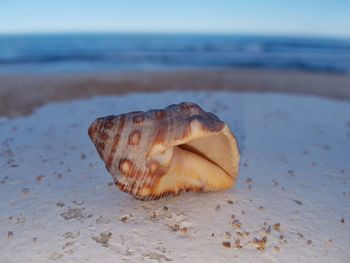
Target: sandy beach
(291,202)
(21,94)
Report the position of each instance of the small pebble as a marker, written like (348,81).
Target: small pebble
(10,234)
(175,227)
(60,204)
(217,208)
(39,178)
(227,234)
(103,239)
(226,244)
(260,243)
(309,242)
(238,243)
(25,191)
(124,219)
(267,229)
(277,227)
(242,234)
(236,223)
(297,202)
(184,230)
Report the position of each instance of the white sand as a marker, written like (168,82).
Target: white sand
(55,200)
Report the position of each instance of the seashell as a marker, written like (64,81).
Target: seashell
(161,152)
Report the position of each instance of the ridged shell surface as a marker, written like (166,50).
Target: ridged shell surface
(138,147)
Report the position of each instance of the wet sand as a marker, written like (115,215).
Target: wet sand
(21,94)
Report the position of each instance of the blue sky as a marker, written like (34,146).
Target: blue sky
(287,17)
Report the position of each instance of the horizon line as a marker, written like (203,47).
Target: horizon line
(209,33)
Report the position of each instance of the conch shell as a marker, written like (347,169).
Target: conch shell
(161,152)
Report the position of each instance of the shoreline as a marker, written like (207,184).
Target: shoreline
(21,94)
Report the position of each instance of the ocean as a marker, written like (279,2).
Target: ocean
(76,53)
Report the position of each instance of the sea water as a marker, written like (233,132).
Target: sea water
(73,53)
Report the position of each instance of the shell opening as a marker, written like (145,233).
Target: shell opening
(219,148)
(201,164)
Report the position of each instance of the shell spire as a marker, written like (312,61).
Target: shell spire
(161,152)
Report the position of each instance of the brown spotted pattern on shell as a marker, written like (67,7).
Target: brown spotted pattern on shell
(161,152)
